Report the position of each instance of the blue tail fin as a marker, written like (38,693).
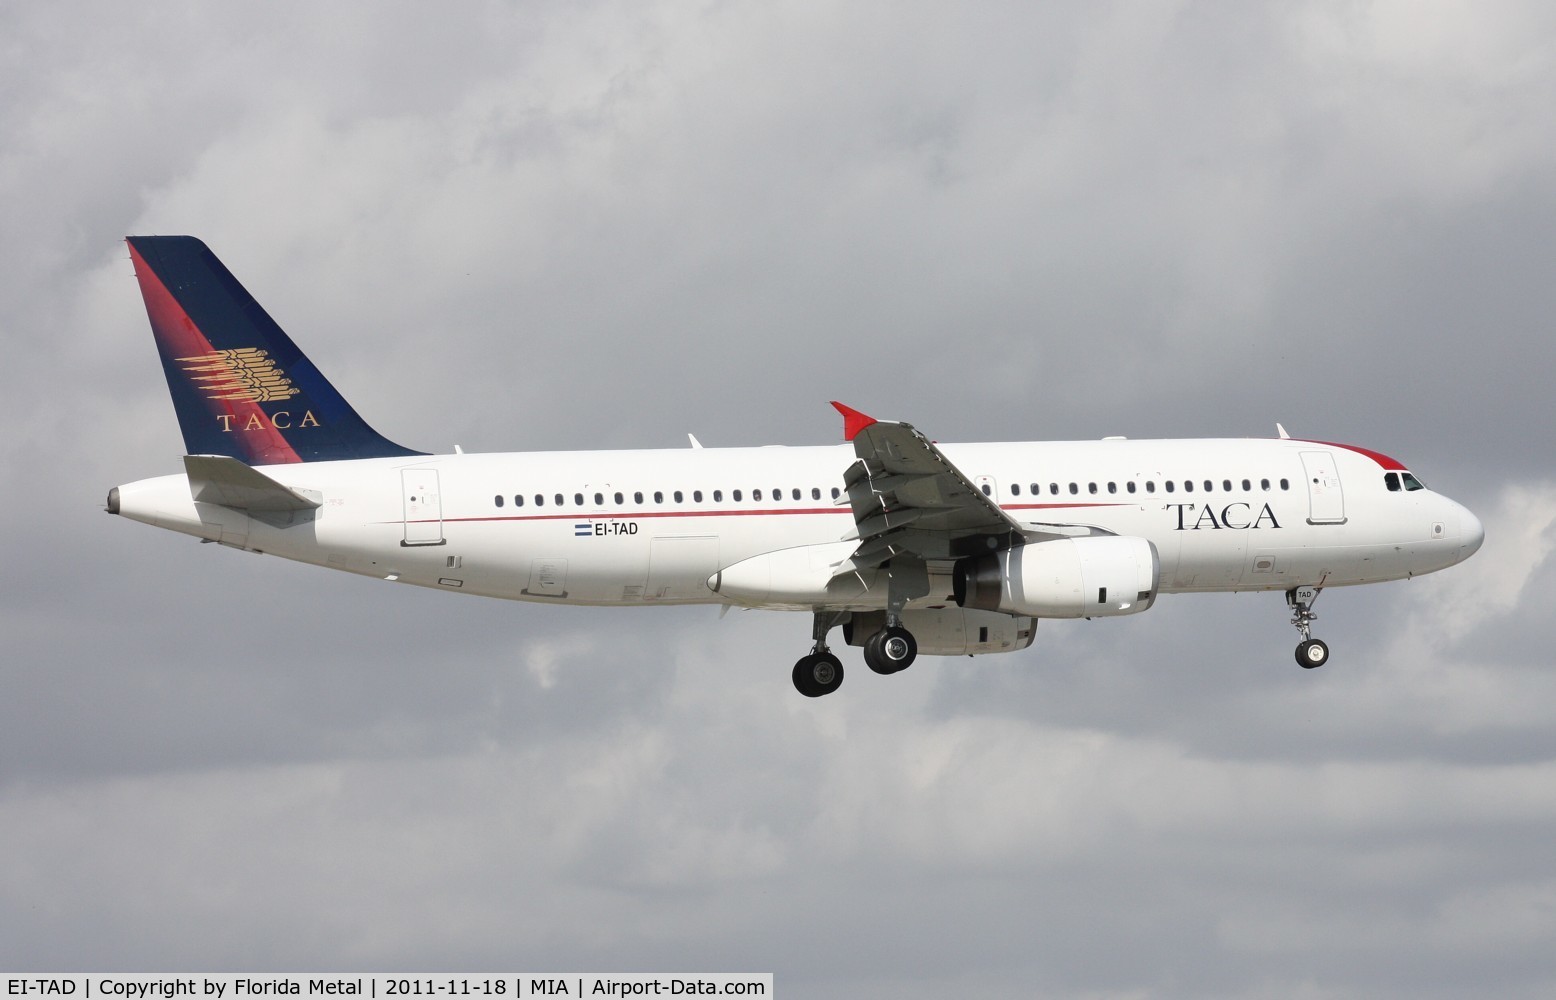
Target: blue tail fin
(239,384)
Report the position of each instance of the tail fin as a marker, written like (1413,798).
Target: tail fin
(239,384)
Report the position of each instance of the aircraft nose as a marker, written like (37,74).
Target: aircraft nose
(1471,533)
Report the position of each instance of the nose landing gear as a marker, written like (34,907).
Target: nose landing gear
(1311,652)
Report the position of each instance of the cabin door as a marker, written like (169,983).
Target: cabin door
(423,507)
(1326,502)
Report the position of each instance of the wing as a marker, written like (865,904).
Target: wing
(909,499)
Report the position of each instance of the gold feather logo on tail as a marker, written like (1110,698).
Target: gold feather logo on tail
(245,373)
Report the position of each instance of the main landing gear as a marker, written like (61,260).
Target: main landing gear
(891,649)
(1311,652)
(820,672)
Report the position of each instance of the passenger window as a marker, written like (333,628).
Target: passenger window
(1247,486)
(836,492)
(794,494)
(696,496)
(1091,488)
(637,497)
(1130,486)
(599,499)
(1170,487)
(1264,484)
(540,500)
(1112,487)
(1209,486)
(498,498)
(1226,486)
(986,490)
(619,498)
(1150,486)
(755,495)
(578,499)
(677,496)
(659,497)
(1188,486)
(718,496)
(1015,489)
(1285,484)
(1074,489)
(815,493)
(518,499)
(559,500)
(734,495)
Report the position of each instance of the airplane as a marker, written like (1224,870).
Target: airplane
(908,545)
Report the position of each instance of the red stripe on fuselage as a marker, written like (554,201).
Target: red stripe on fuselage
(627,516)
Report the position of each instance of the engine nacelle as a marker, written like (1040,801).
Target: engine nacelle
(1063,578)
(948,631)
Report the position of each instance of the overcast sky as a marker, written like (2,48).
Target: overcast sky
(576,225)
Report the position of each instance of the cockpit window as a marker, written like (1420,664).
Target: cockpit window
(1411,482)
(1391,480)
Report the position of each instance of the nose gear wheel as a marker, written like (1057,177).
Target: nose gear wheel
(1311,652)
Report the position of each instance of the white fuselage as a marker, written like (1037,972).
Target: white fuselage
(654,527)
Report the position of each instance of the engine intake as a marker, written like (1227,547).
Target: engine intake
(1063,578)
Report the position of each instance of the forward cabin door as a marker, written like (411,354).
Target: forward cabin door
(423,507)
(1326,502)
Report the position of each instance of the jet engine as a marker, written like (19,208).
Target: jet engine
(1063,578)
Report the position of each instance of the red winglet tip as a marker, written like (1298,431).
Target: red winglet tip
(853,420)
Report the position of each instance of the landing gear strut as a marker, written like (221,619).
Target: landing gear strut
(820,672)
(1311,652)
(893,648)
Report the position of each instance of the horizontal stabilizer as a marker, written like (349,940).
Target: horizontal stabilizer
(226,481)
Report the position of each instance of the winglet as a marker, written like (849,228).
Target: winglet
(853,420)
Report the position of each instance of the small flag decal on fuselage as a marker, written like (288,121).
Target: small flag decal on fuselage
(582,528)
